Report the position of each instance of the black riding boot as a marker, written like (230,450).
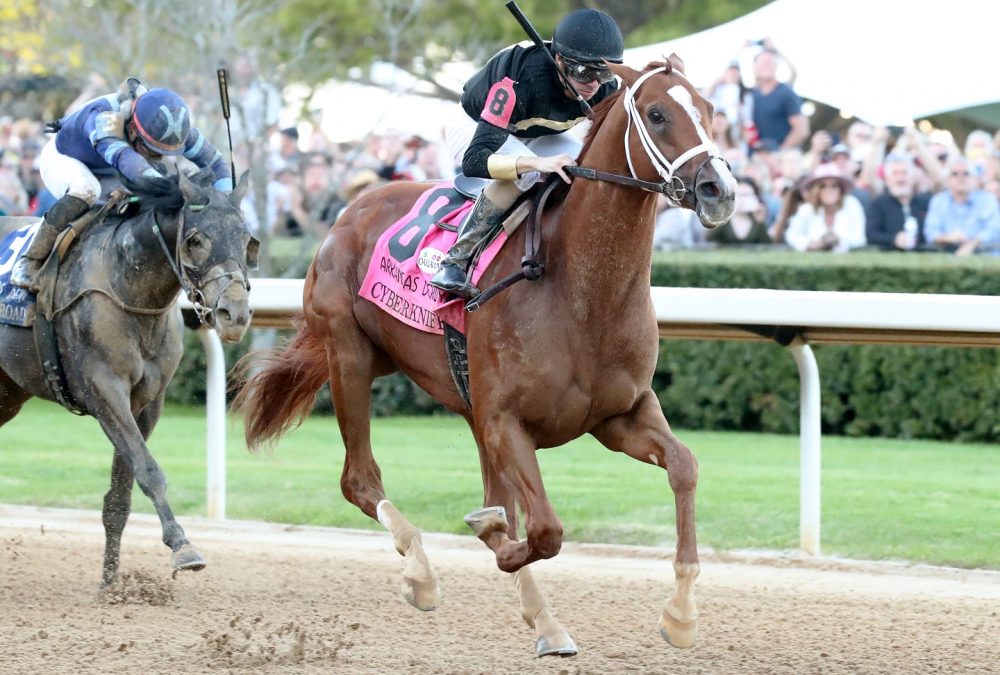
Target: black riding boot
(56,219)
(451,277)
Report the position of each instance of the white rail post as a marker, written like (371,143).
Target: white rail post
(215,404)
(809,442)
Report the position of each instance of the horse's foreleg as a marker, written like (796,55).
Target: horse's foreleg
(353,364)
(109,403)
(550,636)
(511,453)
(186,556)
(117,506)
(643,433)
(12,398)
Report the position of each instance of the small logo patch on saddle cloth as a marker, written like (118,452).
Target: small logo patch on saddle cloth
(409,254)
(17,306)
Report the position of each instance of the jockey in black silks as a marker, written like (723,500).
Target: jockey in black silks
(515,112)
(123,132)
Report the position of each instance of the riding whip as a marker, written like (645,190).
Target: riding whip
(537,39)
(224,95)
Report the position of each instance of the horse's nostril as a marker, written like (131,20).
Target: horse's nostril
(224,314)
(709,190)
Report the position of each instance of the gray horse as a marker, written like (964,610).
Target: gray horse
(120,331)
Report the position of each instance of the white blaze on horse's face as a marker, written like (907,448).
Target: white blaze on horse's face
(712,216)
(683,97)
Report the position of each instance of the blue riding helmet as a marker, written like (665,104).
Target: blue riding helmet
(162,121)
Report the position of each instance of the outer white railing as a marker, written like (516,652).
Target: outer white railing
(793,318)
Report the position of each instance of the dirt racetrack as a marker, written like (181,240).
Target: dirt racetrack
(278,599)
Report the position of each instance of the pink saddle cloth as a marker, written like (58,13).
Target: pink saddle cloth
(409,254)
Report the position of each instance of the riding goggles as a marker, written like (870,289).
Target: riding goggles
(585,74)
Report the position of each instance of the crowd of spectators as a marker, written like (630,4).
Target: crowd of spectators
(835,189)
(311,179)
(839,189)
(21,190)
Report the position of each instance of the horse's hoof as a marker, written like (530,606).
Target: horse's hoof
(487,520)
(420,584)
(187,557)
(680,634)
(425,596)
(565,647)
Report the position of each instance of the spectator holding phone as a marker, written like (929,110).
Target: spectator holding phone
(830,218)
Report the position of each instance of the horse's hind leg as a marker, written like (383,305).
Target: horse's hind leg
(354,363)
(644,434)
(117,507)
(550,637)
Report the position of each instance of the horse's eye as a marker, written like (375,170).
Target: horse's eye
(197,247)
(655,116)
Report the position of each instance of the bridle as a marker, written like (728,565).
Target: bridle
(672,186)
(191,285)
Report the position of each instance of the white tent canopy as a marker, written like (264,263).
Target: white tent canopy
(884,61)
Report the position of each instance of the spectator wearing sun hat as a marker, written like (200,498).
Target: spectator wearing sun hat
(829,218)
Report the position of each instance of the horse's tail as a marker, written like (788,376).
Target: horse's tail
(279,387)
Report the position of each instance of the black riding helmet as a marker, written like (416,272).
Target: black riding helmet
(588,36)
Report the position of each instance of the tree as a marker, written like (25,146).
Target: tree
(181,45)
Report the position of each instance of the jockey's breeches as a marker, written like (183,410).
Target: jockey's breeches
(65,175)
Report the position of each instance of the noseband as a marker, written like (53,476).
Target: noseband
(672,186)
(193,287)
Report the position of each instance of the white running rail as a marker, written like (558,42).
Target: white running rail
(797,318)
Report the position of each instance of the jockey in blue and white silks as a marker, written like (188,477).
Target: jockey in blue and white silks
(121,132)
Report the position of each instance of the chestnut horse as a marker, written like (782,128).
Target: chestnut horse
(549,361)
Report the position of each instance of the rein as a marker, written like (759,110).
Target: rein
(531,268)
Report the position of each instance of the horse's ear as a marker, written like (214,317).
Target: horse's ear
(237,195)
(190,191)
(628,75)
(676,62)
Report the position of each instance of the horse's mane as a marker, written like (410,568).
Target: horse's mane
(601,110)
(163,193)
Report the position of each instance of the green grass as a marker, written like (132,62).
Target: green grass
(882,499)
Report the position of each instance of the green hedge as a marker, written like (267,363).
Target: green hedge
(907,392)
